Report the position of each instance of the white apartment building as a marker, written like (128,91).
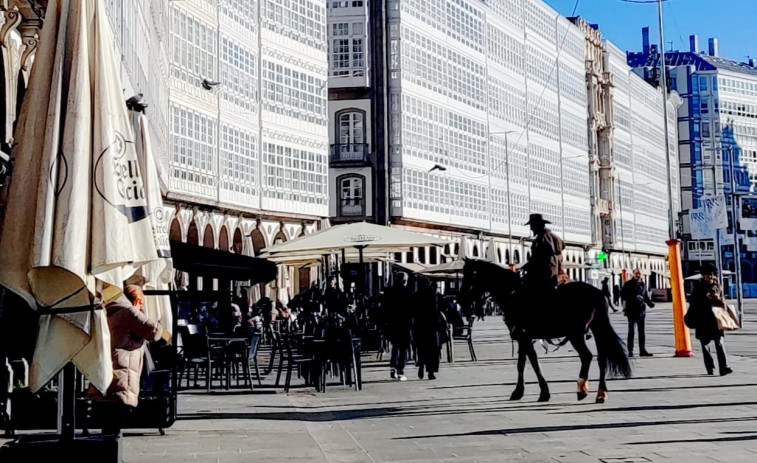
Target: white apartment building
(717,138)
(479,119)
(627,148)
(479,114)
(248,153)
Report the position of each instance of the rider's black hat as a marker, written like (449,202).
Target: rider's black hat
(536,218)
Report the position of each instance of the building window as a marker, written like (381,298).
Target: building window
(351,127)
(705,129)
(347,52)
(351,195)
(341,57)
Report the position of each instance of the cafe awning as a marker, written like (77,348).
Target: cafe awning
(206,262)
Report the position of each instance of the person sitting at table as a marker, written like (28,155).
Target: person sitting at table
(129,329)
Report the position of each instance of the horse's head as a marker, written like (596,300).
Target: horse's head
(482,278)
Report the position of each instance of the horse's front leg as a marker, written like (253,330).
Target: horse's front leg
(520,386)
(579,344)
(544,394)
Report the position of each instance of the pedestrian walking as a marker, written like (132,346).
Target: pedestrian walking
(616,294)
(398,300)
(706,293)
(429,329)
(636,300)
(606,293)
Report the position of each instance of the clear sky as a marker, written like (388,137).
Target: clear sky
(731,21)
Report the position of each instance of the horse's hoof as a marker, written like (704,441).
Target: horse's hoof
(601,396)
(516,395)
(583,388)
(545,397)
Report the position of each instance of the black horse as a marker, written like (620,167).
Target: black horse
(576,308)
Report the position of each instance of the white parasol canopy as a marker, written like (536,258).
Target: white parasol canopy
(157,274)
(491,251)
(448,268)
(77,214)
(360,235)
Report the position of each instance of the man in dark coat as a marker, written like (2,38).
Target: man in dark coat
(545,263)
(399,319)
(636,298)
(429,329)
(706,293)
(543,268)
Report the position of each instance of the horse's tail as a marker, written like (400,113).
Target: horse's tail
(608,341)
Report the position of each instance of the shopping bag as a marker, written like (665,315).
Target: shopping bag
(726,316)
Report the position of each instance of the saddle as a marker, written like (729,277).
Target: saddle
(535,314)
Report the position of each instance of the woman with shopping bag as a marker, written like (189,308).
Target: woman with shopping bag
(707,296)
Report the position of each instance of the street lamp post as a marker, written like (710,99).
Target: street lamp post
(507,187)
(681,332)
(735,229)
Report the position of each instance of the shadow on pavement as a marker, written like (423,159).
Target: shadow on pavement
(581,427)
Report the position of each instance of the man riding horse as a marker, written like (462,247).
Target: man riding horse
(541,277)
(545,263)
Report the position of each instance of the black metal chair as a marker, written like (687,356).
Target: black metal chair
(245,355)
(464,333)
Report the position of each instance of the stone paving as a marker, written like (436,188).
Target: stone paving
(670,411)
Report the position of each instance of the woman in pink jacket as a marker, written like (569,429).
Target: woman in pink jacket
(129,329)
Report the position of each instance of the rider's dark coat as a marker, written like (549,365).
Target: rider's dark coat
(545,263)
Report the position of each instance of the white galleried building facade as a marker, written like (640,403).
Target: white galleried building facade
(474,126)
(247,151)
(479,118)
(627,148)
(237,104)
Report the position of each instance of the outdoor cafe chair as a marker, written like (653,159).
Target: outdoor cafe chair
(340,356)
(291,359)
(464,333)
(245,355)
(199,354)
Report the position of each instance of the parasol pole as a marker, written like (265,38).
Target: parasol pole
(67,402)
(362,270)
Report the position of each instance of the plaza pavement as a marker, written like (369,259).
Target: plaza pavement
(670,411)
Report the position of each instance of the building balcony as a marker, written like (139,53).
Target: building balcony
(350,154)
(351,208)
(349,78)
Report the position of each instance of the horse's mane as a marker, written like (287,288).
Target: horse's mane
(496,271)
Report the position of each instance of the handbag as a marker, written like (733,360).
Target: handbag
(726,316)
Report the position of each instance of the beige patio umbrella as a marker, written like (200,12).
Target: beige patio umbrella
(77,216)
(491,251)
(158,274)
(451,268)
(359,235)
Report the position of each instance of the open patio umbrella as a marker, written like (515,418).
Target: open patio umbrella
(450,268)
(360,235)
(77,217)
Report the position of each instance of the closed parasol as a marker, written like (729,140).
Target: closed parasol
(77,218)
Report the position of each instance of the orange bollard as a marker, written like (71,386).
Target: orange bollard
(680,330)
